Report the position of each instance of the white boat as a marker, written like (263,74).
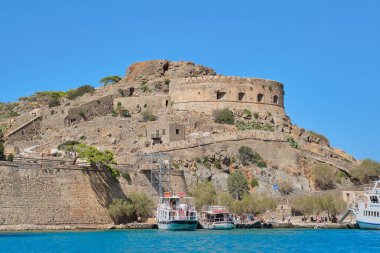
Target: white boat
(368,211)
(175,212)
(217,217)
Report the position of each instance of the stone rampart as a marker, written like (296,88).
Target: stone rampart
(87,111)
(216,138)
(136,104)
(26,131)
(44,195)
(208,93)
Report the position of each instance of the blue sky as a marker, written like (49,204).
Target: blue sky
(325,52)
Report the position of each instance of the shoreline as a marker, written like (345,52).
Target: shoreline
(134,226)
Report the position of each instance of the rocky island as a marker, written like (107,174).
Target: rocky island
(207,125)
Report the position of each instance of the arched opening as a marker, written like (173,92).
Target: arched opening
(275,99)
(166,103)
(220,94)
(241,96)
(260,97)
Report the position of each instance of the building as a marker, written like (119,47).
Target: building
(165,132)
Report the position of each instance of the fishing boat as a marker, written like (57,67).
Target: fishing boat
(368,211)
(217,217)
(175,212)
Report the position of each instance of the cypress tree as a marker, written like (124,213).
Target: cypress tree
(2,155)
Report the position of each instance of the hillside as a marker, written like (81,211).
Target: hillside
(177,108)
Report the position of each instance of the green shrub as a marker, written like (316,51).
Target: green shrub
(10,157)
(217,164)
(148,116)
(139,204)
(292,142)
(75,93)
(204,194)
(167,81)
(254,183)
(120,210)
(314,204)
(54,102)
(256,115)
(237,185)
(324,176)
(247,156)
(366,172)
(224,116)
(247,112)
(254,125)
(175,166)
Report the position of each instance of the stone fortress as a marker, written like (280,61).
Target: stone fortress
(182,96)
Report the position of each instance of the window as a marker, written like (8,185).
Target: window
(220,94)
(275,100)
(163,131)
(241,96)
(260,97)
(177,131)
(374,199)
(166,103)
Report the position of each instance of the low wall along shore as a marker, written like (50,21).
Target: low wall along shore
(43,195)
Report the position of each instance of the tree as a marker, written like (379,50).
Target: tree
(110,80)
(367,171)
(224,116)
(324,176)
(237,185)
(142,204)
(69,148)
(313,204)
(120,210)
(304,205)
(139,204)
(2,154)
(204,194)
(247,156)
(96,158)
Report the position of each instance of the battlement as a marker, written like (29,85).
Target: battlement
(229,79)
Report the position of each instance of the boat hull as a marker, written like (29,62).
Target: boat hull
(367,225)
(219,226)
(178,225)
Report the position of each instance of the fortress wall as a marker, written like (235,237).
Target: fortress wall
(136,104)
(228,136)
(87,111)
(40,195)
(209,93)
(27,131)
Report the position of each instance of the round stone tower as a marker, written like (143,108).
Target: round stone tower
(207,93)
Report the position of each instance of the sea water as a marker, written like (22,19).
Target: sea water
(253,240)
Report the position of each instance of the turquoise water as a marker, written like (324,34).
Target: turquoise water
(259,240)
